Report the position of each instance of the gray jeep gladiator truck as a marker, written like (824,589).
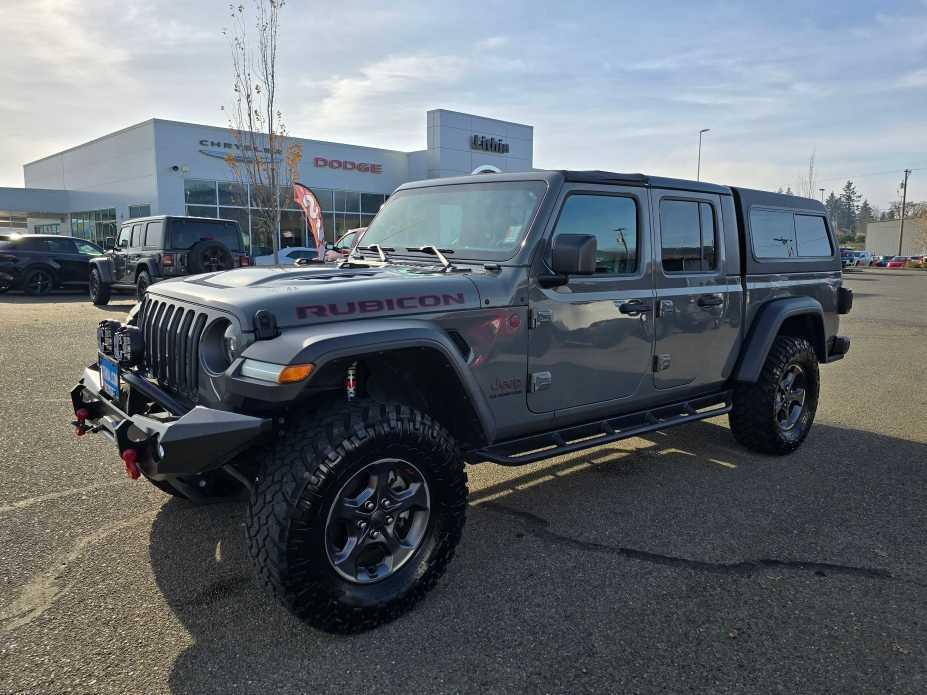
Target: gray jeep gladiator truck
(505,318)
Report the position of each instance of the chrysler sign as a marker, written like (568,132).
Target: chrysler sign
(481,142)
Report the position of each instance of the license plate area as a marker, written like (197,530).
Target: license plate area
(109,377)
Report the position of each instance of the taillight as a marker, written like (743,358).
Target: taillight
(244,261)
(167,259)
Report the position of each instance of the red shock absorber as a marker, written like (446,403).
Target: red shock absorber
(350,382)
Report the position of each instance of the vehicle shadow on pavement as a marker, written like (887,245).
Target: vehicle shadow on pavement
(118,303)
(631,566)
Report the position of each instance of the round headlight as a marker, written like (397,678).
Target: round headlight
(235,342)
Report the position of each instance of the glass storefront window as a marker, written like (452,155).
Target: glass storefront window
(365,220)
(347,201)
(197,192)
(241,216)
(262,238)
(292,228)
(329,222)
(233,194)
(371,202)
(201,210)
(139,211)
(352,221)
(288,198)
(325,198)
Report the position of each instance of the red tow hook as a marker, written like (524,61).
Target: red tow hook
(80,428)
(130,457)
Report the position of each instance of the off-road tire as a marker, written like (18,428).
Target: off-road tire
(38,282)
(142,283)
(100,292)
(300,481)
(209,256)
(753,417)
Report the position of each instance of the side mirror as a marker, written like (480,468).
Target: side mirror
(109,243)
(573,254)
(329,246)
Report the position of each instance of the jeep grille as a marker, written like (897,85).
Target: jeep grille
(172,342)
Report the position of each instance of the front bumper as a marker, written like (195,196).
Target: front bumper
(838,347)
(169,439)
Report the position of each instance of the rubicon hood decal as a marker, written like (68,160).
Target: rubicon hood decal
(325,293)
(379,306)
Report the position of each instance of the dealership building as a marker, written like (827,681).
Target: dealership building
(162,167)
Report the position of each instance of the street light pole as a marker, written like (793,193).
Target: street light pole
(822,194)
(904,200)
(698,170)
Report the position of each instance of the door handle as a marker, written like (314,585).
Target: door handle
(633,307)
(707,300)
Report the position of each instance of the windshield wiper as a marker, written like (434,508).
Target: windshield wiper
(380,250)
(435,251)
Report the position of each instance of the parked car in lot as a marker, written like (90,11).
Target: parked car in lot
(897,262)
(863,258)
(149,249)
(288,256)
(848,259)
(342,247)
(547,313)
(882,261)
(38,263)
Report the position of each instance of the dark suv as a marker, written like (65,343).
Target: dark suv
(149,249)
(37,263)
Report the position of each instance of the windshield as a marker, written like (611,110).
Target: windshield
(185,233)
(471,220)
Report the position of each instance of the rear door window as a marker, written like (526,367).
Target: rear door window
(772,233)
(687,236)
(812,237)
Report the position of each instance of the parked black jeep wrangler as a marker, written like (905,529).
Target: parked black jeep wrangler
(506,318)
(149,249)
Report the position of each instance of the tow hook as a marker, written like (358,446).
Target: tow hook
(80,424)
(130,457)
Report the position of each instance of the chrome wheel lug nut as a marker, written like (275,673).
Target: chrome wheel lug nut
(374,534)
(389,520)
(386,503)
(361,525)
(369,506)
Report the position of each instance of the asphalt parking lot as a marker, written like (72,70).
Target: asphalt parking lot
(676,562)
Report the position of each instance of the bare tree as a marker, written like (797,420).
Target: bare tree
(807,185)
(264,156)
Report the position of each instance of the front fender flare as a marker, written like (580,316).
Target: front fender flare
(766,327)
(325,343)
(106,269)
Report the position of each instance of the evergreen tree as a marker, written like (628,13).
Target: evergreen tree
(849,202)
(865,213)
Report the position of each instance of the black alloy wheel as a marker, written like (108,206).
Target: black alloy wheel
(790,397)
(38,282)
(377,521)
(213,260)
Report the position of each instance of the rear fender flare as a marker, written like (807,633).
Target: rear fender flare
(767,325)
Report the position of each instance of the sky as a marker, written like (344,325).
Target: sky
(606,85)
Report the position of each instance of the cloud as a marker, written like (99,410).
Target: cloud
(606,85)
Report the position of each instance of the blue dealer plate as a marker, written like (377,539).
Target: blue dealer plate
(109,376)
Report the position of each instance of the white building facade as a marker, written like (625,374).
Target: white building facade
(162,167)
